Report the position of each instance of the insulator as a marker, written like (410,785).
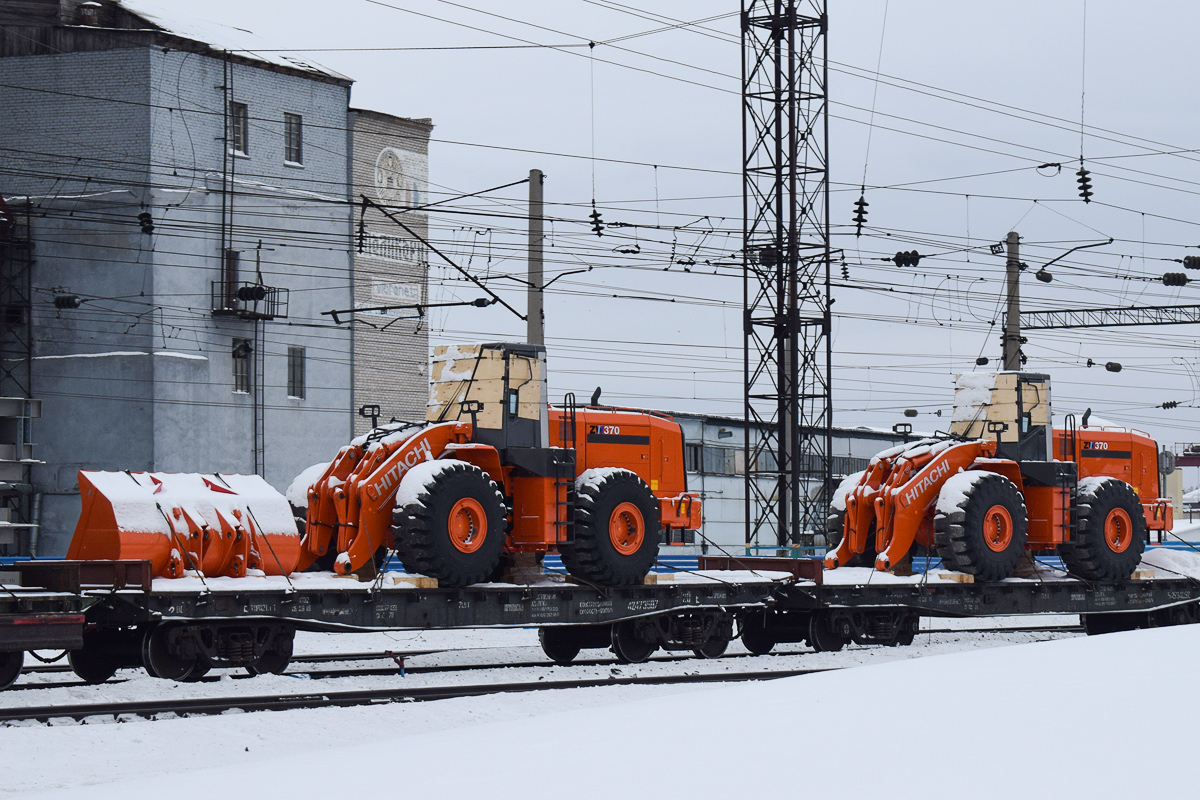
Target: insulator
(1043,276)
(1175,279)
(146,221)
(65,301)
(860,214)
(252,294)
(768,256)
(597,223)
(982,361)
(845,272)
(1024,359)
(910,412)
(1191,262)
(1171,404)
(1113,366)
(907,258)
(1085,184)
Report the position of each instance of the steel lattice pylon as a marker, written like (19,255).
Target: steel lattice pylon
(785,133)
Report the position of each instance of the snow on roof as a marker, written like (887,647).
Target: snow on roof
(167,16)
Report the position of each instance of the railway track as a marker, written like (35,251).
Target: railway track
(392,668)
(344,699)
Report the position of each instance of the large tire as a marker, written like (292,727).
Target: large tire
(985,533)
(617,529)
(454,530)
(1110,536)
(835,528)
(10,667)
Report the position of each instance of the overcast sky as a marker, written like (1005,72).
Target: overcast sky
(990,91)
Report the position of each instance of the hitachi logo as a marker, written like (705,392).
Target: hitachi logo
(937,473)
(388,482)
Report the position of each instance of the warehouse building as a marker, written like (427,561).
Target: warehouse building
(181,217)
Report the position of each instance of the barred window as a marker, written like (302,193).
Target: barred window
(293,139)
(241,366)
(295,364)
(239,128)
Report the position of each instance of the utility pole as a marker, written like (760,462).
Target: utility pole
(1012,316)
(536,319)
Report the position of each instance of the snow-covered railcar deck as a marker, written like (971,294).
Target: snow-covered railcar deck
(932,596)
(322,602)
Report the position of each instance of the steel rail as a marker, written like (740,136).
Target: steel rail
(344,699)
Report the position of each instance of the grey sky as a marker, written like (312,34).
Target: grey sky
(900,333)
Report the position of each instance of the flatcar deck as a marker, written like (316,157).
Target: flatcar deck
(323,603)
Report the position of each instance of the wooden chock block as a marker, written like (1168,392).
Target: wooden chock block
(957,577)
(415,581)
(1142,575)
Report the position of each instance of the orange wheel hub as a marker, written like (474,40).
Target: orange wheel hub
(467,525)
(997,528)
(626,529)
(1118,530)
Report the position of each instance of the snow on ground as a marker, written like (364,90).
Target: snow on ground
(977,718)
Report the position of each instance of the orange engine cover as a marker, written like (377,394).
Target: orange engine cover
(220,525)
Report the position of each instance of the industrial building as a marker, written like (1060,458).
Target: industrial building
(715,459)
(179,214)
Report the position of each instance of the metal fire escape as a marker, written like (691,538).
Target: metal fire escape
(17,406)
(788,405)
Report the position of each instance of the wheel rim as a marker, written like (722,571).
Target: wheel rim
(1118,530)
(997,528)
(467,525)
(626,529)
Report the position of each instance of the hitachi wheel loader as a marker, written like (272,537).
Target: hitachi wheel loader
(495,471)
(1002,485)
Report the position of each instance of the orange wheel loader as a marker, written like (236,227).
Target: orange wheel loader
(1003,484)
(496,472)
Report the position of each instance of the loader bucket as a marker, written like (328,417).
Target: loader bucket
(220,525)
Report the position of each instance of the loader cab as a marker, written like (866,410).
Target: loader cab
(1010,408)
(498,387)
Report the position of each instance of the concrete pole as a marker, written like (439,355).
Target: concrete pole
(1012,316)
(536,323)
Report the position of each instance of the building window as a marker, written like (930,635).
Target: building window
(239,128)
(692,457)
(241,366)
(295,386)
(293,139)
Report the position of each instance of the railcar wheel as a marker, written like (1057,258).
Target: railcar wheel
(201,669)
(1111,535)
(454,529)
(617,528)
(755,636)
(10,667)
(822,636)
(627,646)
(158,659)
(93,663)
(560,645)
(713,648)
(984,532)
